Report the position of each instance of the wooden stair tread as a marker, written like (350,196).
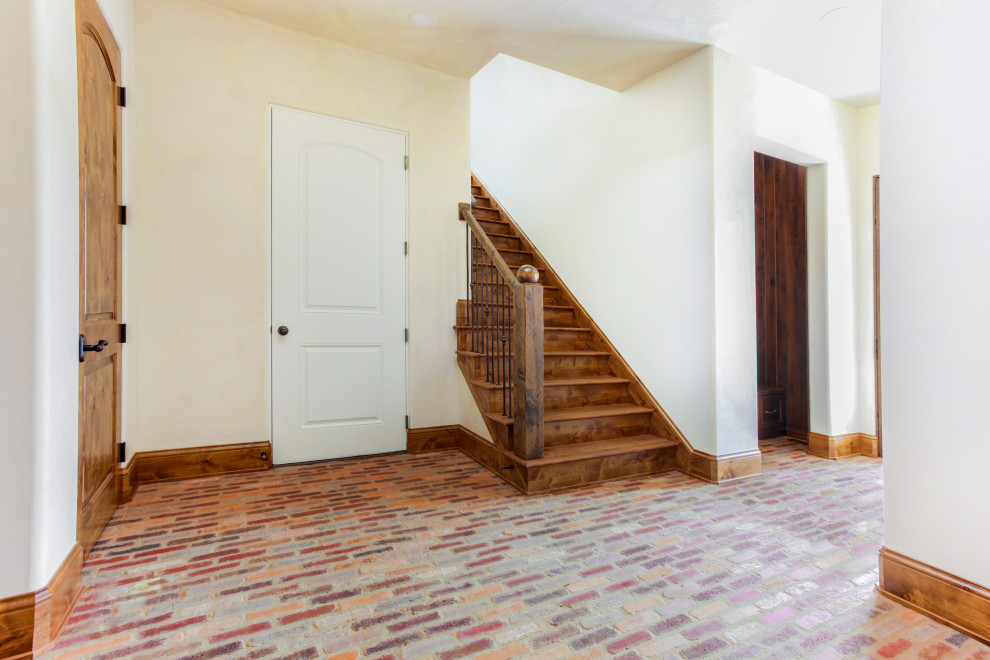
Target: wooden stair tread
(585,412)
(552,328)
(582,451)
(575,353)
(545,305)
(560,382)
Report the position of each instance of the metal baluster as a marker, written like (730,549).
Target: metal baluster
(487,336)
(474,292)
(502,354)
(468,243)
(512,321)
(498,332)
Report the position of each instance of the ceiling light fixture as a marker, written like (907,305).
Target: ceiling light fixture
(422,19)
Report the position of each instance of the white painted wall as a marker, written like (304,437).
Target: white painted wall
(615,191)
(39,202)
(198,263)
(868,165)
(17,304)
(54,476)
(934,275)
(758,110)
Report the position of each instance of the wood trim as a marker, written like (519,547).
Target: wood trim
(958,603)
(193,462)
(719,469)
(434,438)
(54,603)
(17,626)
(31,622)
(797,434)
(837,447)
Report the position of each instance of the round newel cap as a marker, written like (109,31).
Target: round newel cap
(528,274)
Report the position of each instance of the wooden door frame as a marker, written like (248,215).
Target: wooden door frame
(876,309)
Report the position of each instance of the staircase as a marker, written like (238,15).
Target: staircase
(589,417)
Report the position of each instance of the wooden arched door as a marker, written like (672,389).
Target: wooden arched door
(99,271)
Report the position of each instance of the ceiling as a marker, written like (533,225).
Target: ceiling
(832,46)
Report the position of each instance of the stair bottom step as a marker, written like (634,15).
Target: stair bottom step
(585,451)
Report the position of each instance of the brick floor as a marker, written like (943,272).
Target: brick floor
(431,556)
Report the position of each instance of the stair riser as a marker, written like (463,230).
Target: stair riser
(577,396)
(476,191)
(548,478)
(516,259)
(574,431)
(553,317)
(506,243)
(554,367)
(567,396)
(485,214)
(494,227)
(553,340)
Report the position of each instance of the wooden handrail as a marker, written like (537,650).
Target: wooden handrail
(526,398)
(489,247)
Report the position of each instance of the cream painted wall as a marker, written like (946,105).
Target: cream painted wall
(934,274)
(17,270)
(758,110)
(54,474)
(39,300)
(198,243)
(868,165)
(615,190)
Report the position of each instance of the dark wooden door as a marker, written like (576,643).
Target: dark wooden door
(876,306)
(782,286)
(99,270)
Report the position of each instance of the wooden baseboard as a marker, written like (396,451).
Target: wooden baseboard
(434,438)
(797,434)
(719,469)
(956,602)
(190,463)
(837,447)
(29,623)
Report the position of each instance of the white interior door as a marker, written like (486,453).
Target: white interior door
(338,288)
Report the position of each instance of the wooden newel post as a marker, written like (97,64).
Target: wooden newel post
(527,379)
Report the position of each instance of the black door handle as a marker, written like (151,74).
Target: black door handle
(282,330)
(84,347)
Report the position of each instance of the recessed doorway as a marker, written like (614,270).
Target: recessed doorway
(783,374)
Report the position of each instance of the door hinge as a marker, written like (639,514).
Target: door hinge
(123,333)
(405,249)
(122,97)
(122,452)
(407,162)
(407,422)
(407,334)
(123,215)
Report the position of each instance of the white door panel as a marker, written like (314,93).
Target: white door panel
(339,286)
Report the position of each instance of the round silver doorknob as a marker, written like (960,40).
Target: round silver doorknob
(282,330)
